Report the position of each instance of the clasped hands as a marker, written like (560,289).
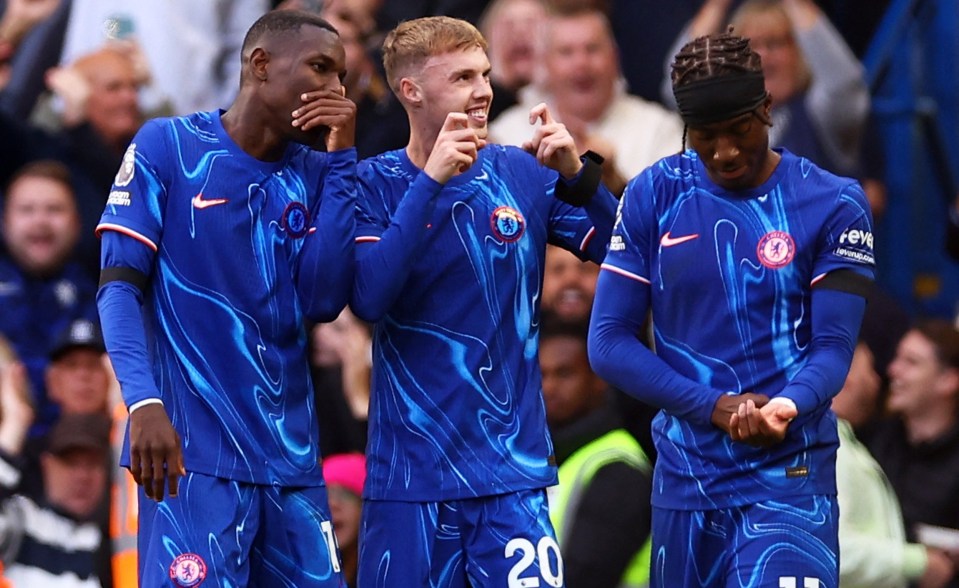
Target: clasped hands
(752,419)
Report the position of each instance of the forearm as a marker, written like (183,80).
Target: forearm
(619,357)
(836,317)
(324,278)
(121,319)
(383,265)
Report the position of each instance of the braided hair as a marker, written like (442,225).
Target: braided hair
(714,56)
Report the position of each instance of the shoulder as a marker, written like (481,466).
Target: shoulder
(818,180)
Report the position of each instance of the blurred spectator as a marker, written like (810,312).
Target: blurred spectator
(513,29)
(585,91)
(345,474)
(819,91)
(918,447)
(952,230)
(601,507)
(872,537)
(31,32)
(381,123)
(101,115)
(389,14)
(77,376)
(51,542)
(190,46)
(568,285)
(77,382)
(341,357)
(41,289)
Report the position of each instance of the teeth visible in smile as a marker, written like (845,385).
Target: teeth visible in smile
(479,113)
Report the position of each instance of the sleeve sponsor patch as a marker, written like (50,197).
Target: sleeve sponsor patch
(856,245)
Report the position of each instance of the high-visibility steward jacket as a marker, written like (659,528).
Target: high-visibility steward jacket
(123,511)
(575,475)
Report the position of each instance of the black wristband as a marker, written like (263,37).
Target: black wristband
(582,188)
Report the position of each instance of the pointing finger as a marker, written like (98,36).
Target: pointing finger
(455,120)
(540,111)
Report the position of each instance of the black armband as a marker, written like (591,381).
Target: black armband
(581,188)
(123,274)
(846,280)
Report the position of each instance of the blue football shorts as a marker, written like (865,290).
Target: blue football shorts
(774,544)
(220,532)
(501,541)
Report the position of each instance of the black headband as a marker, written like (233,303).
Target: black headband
(721,98)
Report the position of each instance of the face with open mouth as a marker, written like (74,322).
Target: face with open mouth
(458,81)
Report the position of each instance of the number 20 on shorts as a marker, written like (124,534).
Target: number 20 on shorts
(528,555)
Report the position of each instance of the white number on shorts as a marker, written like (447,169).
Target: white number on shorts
(790,582)
(327,528)
(528,555)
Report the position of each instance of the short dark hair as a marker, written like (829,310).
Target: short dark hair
(282,21)
(552,326)
(49,169)
(944,337)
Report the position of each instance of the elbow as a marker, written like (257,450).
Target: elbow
(598,356)
(366,309)
(326,311)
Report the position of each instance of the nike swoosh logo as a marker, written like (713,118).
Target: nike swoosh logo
(483,176)
(668,240)
(199,202)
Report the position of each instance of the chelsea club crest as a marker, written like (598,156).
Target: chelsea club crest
(295,220)
(188,570)
(507,223)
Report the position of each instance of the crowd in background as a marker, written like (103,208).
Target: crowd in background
(79,77)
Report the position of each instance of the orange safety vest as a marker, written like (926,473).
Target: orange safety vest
(123,511)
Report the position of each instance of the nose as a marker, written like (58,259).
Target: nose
(726,150)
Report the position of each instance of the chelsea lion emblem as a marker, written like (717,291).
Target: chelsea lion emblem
(507,223)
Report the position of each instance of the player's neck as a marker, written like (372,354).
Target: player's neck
(242,124)
(419,147)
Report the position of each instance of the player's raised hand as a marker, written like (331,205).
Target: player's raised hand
(552,144)
(328,108)
(455,150)
(761,427)
(156,458)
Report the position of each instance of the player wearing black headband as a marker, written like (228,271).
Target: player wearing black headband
(754,262)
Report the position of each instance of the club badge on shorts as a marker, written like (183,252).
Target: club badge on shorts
(188,569)
(507,223)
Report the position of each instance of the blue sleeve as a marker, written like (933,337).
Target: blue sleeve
(121,317)
(324,277)
(836,317)
(619,357)
(383,265)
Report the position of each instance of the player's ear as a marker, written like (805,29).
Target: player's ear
(259,59)
(410,91)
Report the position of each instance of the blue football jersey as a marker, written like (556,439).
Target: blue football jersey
(225,328)
(730,277)
(456,407)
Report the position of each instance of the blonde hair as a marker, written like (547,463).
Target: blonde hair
(411,43)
